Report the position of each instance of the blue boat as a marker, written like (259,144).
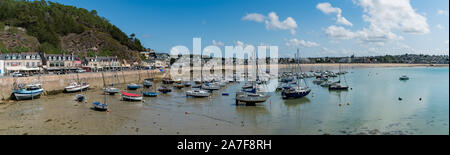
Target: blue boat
(133,86)
(100,106)
(80,98)
(28,92)
(150,94)
(295,93)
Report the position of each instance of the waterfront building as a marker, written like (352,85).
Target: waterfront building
(21,62)
(96,63)
(60,63)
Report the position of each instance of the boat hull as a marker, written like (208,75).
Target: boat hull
(294,95)
(131,98)
(76,89)
(111,91)
(28,95)
(150,94)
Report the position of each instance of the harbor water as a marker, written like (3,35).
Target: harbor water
(376,103)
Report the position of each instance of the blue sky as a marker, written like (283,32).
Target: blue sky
(416,26)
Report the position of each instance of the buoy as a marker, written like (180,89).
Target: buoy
(348,103)
(420,99)
(340,104)
(186,113)
(400,99)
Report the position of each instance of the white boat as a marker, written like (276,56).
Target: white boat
(75,87)
(197,93)
(250,97)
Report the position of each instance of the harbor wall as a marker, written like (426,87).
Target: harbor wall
(54,84)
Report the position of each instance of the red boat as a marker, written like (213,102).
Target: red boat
(131,97)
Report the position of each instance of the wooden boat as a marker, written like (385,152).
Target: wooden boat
(28,92)
(131,97)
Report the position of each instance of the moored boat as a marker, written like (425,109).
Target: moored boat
(150,94)
(75,87)
(197,93)
(28,92)
(131,97)
(100,106)
(133,86)
(404,78)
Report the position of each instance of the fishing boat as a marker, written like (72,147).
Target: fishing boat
(133,86)
(28,92)
(164,89)
(131,97)
(100,106)
(404,78)
(197,93)
(75,87)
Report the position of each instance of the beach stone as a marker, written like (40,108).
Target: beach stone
(48,120)
(374,132)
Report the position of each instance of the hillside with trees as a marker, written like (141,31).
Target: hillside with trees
(41,26)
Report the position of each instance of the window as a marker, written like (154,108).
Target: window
(28,64)
(34,64)
(7,64)
(38,63)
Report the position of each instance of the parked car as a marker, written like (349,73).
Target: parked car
(17,74)
(80,71)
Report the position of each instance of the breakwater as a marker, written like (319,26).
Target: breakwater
(54,84)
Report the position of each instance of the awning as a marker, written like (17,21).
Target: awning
(15,68)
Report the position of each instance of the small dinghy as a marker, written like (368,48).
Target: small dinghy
(133,86)
(100,106)
(150,94)
(131,97)
(225,94)
(80,98)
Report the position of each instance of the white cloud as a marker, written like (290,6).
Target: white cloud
(439,26)
(328,9)
(300,43)
(386,15)
(442,12)
(272,21)
(339,32)
(256,17)
(383,16)
(217,43)
(242,44)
